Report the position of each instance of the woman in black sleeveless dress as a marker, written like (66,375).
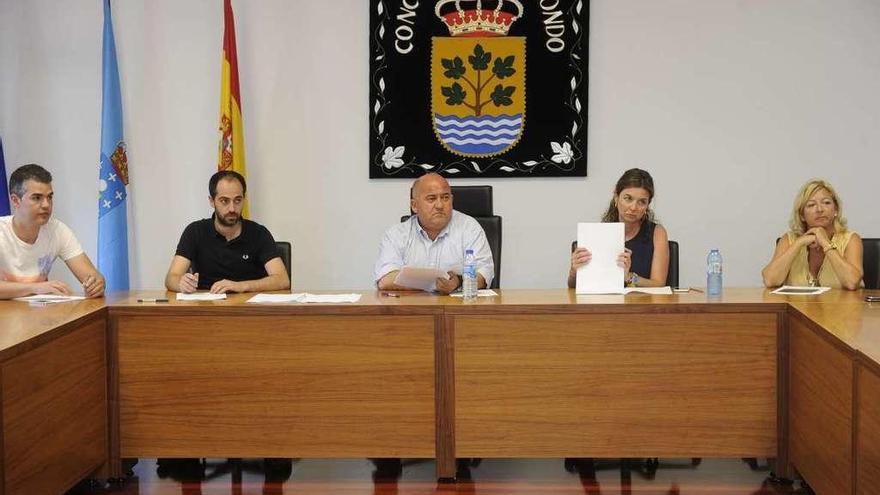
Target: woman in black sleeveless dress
(646,258)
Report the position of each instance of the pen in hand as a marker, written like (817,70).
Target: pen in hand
(88,286)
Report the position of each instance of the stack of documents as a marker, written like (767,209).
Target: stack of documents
(602,275)
(634,290)
(419,278)
(480,293)
(43,299)
(305,297)
(200,296)
(792,290)
(648,290)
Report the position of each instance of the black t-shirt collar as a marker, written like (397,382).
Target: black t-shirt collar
(221,236)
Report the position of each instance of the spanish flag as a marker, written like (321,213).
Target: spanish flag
(231,125)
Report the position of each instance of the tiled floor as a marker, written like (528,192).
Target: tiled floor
(490,477)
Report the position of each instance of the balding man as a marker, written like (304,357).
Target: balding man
(436,236)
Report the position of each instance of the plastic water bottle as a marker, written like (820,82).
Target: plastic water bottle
(469,277)
(713,273)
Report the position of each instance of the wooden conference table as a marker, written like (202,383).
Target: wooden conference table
(53,387)
(532,373)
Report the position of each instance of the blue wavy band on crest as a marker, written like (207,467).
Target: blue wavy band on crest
(483,135)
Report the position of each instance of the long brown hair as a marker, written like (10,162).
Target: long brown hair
(634,177)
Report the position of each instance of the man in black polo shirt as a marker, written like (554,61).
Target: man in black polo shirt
(226,253)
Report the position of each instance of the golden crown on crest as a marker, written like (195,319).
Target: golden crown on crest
(478,17)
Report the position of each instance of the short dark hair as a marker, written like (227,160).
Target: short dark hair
(226,174)
(24,173)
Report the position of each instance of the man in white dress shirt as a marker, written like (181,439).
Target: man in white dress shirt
(436,236)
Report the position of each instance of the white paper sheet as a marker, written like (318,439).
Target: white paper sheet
(304,297)
(275,298)
(200,296)
(419,278)
(330,298)
(601,275)
(480,293)
(793,290)
(649,290)
(48,298)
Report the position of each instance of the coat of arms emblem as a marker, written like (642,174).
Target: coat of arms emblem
(449,91)
(478,78)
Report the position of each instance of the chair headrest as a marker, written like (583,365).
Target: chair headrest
(475,201)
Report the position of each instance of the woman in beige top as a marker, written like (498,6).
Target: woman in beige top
(818,250)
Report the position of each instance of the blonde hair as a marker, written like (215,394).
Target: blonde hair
(797,224)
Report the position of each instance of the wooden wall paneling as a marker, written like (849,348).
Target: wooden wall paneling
(275,386)
(612,385)
(868,430)
(55,412)
(2,442)
(445,386)
(114,459)
(782,463)
(820,409)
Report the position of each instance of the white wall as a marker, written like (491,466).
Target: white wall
(731,104)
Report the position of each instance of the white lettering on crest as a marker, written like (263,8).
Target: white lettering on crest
(554,25)
(404,33)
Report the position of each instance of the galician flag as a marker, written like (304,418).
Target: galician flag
(113,178)
(231,126)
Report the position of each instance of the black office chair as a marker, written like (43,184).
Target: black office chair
(871,262)
(284,251)
(476,201)
(672,274)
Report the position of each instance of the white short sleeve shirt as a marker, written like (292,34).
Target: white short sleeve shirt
(23,262)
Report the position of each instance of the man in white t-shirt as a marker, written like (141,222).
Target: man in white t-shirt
(30,240)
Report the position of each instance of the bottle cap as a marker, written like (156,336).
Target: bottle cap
(469,251)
